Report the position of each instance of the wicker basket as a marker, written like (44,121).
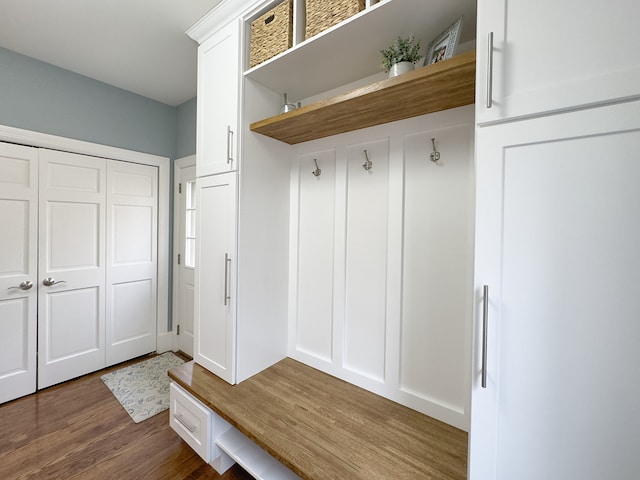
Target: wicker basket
(272,33)
(322,14)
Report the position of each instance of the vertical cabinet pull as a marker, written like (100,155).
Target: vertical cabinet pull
(485,319)
(490,70)
(229,144)
(227,264)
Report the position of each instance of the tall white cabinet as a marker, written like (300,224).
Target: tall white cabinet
(557,228)
(242,212)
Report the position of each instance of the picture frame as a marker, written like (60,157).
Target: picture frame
(442,47)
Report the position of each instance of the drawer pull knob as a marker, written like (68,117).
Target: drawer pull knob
(180,420)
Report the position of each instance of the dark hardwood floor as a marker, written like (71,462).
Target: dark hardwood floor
(78,430)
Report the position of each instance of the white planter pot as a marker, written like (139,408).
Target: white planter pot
(400,68)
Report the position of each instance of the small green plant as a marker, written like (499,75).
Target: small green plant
(401,50)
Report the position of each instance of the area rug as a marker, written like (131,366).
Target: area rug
(143,388)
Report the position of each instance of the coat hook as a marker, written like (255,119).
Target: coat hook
(435,155)
(317,171)
(367,165)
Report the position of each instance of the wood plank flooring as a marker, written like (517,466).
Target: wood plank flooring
(78,430)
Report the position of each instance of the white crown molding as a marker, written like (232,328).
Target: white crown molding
(218,17)
(54,142)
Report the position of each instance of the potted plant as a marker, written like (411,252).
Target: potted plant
(401,56)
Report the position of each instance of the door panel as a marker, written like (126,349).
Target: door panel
(186,221)
(71,318)
(18,264)
(131,260)
(214,348)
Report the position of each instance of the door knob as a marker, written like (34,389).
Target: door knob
(47,282)
(26,285)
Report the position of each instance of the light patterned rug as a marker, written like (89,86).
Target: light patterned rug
(143,388)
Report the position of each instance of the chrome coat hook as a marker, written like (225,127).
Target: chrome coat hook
(367,165)
(317,171)
(435,155)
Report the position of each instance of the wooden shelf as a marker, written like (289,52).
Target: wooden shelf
(429,89)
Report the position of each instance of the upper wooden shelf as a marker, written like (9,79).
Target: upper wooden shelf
(429,89)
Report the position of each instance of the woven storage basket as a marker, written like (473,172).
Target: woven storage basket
(272,33)
(322,14)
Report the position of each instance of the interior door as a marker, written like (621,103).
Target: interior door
(185,268)
(18,270)
(131,258)
(71,293)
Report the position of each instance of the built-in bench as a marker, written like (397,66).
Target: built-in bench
(321,427)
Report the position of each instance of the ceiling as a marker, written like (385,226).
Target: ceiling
(136,45)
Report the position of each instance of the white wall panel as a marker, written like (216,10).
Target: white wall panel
(366,259)
(314,320)
(437,273)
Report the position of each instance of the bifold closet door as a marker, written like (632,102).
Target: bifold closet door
(132,230)
(71,283)
(18,270)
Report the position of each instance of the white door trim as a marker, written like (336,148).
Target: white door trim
(54,142)
(183,162)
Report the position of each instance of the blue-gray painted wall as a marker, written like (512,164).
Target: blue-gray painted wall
(41,97)
(186,129)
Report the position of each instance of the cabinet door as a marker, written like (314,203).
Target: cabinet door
(552,55)
(18,270)
(558,229)
(218,80)
(216,262)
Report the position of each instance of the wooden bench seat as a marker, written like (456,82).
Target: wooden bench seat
(324,428)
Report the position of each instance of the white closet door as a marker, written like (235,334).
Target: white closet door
(71,259)
(132,226)
(18,270)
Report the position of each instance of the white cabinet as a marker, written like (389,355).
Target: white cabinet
(554,55)
(242,211)
(557,237)
(215,299)
(218,101)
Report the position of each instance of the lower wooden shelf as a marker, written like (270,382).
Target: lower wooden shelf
(428,89)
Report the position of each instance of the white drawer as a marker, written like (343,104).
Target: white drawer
(191,420)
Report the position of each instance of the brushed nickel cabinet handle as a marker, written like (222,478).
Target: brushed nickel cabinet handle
(485,320)
(47,282)
(227,264)
(181,421)
(490,70)
(229,144)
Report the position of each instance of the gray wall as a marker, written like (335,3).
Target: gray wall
(40,97)
(186,129)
